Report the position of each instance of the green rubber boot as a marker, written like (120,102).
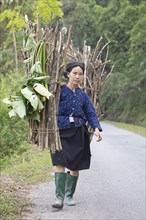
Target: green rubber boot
(60,181)
(71,182)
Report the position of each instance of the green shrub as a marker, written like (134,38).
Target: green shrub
(14,132)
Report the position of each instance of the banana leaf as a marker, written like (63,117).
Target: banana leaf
(36,116)
(19,107)
(39,78)
(32,80)
(36,68)
(7,101)
(30,43)
(32,97)
(12,113)
(39,88)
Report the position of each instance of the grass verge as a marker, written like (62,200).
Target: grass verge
(134,128)
(13,200)
(17,175)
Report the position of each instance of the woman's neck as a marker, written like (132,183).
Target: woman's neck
(72,86)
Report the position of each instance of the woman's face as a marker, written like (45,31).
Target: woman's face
(75,76)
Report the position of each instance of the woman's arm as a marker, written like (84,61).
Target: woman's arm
(90,113)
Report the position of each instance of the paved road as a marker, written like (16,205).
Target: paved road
(113,188)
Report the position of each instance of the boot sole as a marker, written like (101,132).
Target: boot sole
(70,204)
(57,207)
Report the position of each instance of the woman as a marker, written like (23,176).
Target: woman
(75,110)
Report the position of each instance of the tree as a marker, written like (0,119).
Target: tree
(13,18)
(122,23)
(103,3)
(80,14)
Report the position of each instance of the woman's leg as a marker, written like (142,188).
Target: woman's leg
(74,173)
(59,169)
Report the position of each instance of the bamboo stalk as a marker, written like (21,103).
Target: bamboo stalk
(15,50)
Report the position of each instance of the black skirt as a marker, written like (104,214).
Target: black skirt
(75,153)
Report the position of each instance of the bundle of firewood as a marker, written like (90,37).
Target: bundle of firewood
(57,51)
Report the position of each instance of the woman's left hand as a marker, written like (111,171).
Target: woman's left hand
(98,134)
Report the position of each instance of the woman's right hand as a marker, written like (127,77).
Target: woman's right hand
(97,134)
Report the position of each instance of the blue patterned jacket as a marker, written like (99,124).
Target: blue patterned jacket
(78,105)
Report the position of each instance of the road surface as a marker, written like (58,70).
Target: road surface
(112,189)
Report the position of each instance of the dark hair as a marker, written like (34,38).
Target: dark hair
(65,74)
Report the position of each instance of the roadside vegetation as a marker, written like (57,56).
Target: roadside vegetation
(18,174)
(22,164)
(13,200)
